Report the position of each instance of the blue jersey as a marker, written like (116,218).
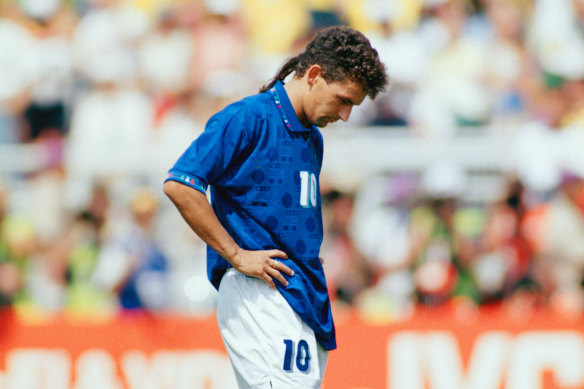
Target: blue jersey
(262,167)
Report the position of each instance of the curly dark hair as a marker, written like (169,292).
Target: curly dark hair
(343,53)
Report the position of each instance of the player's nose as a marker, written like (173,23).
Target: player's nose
(345,112)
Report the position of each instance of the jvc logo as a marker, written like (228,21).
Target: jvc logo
(498,360)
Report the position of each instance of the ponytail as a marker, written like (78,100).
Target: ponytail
(284,72)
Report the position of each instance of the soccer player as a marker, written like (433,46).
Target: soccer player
(261,158)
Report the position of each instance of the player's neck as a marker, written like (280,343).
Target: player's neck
(295,89)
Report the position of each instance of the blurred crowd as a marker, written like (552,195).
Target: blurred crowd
(108,93)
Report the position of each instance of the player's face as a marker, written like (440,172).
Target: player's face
(331,101)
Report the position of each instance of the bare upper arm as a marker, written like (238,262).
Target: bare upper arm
(177,191)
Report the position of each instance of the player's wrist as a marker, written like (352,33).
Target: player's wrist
(235,256)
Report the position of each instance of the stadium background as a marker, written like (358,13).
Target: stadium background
(454,204)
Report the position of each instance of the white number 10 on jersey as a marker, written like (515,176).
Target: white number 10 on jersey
(307,189)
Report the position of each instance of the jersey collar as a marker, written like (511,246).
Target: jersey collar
(286,110)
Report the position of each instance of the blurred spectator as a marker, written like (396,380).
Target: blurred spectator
(537,156)
(85,237)
(440,250)
(407,61)
(264,20)
(512,75)
(178,127)
(452,93)
(131,263)
(46,271)
(166,56)
(17,46)
(51,75)
(548,105)
(402,15)
(106,40)
(348,272)
(562,252)
(503,261)
(96,213)
(110,128)
(220,41)
(573,91)
(555,38)
(18,246)
(380,227)
(381,220)
(11,263)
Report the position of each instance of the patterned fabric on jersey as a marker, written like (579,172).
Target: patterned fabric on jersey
(262,167)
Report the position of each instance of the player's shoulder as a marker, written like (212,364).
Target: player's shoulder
(248,116)
(253,106)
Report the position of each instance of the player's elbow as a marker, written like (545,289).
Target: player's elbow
(172,189)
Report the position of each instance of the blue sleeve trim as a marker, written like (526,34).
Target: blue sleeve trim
(193,182)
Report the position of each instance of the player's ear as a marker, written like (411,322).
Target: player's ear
(313,73)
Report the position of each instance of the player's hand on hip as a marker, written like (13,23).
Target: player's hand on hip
(262,264)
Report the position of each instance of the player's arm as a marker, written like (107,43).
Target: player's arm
(197,212)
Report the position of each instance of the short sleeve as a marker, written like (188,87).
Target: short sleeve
(214,151)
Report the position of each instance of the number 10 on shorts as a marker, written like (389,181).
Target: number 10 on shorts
(300,354)
(307,189)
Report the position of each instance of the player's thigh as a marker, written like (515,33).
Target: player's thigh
(266,340)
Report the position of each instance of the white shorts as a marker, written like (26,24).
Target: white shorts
(268,344)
